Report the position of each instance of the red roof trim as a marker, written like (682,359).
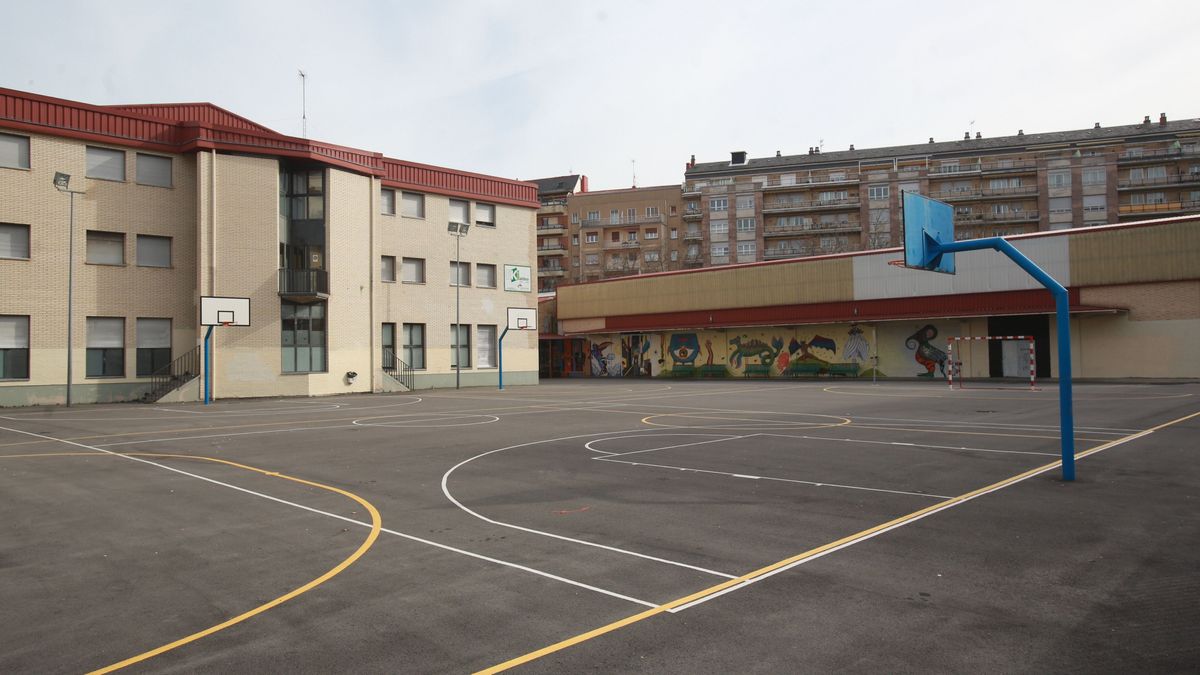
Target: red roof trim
(891,309)
(164,128)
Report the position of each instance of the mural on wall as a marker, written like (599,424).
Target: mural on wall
(685,347)
(926,354)
(747,347)
(856,347)
(604,362)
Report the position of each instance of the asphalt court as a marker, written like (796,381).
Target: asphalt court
(604,525)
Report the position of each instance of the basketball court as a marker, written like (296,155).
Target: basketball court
(607,525)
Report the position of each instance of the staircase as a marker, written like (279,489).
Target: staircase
(398,372)
(174,375)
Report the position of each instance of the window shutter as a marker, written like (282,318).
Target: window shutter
(105,163)
(14,241)
(105,333)
(459,211)
(153,333)
(14,151)
(105,248)
(14,332)
(153,251)
(153,170)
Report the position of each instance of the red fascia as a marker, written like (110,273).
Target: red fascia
(940,306)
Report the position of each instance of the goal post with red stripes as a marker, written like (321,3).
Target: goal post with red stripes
(955,364)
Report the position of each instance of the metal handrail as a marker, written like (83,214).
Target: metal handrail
(1186,177)
(174,375)
(784,204)
(397,369)
(303,281)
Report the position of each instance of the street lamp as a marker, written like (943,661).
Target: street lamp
(62,182)
(458,231)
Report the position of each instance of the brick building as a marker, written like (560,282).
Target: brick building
(343,253)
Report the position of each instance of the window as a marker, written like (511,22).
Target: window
(593,215)
(652,212)
(387,268)
(414,345)
(631,236)
(1004,183)
(14,151)
(652,256)
(105,248)
(832,196)
(614,217)
(878,192)
(1000,209)
(914,188)
(1148,198)
(719,250)
(153,251)
(718,226)
(412,270)
(1137,175)
(616,237)
(14,347)
(745,224)
(950,166)
(460,274)
(485,215)
(387,202)
(881,220)
(413,205)
(574,240)
(460,211)
(745,202)
(1132,152)
(303,337)
(1194,196)
(460,345)
(105,347)
(1194,170)
(652,234)
(1059,179)
(575,218)
(1156,173)
(718,203)
(486,353)
(591,259)
(153,170)
(485,275)
(592,237)
(674,256)
(302,195)
(153,346)
(632,214)
(1094,203)
(14,241)
(387,345)
(674,210)
(1060,205)
(1093,177)
(746,248)
(674,233)
(105,164)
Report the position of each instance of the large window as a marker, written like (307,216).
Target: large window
(1059,179)
(14,241)
(14,151)
(1093,177)
(14,347)
(720,250)
(412,270)
(388,344)
(387,268)
(746,249)
(304,197)
(460,345)
(414,205)
(718,203)
(460,211)
(487,347)
(303,337)
(485,215)
(414,345)
(876,192)
(1060,205)
(1095,203)
(387,202)
(153,170)
(718,226)
(105,164)
(105,248)
(485,275)
(592,237)
(745,224)
(460,273)
(153,251)
(105,347)
(153,345)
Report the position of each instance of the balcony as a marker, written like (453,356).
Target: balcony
(552,206)
(624,221)
(1136,156)
(784,206)
(693,214)
(782,252)
(554,249)
(551,271)
(995,218)
(1159,181)
(551,229)
(303,285)
(777,182)
(1162,208)
(622,244)
(1010,166)
(967,194)
(811,228)
(693,236)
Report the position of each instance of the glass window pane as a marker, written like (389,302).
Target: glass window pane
(14,151)
(105,248)
(316,207)
(414,205)
(316,183)
(459,211)
(289,360)
(14,332)
(153,333)
(303,359)
(105,332)
(485,214)
(318,359)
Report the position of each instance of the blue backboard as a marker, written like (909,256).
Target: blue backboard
(927,222)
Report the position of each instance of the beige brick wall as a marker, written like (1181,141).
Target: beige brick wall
(1149,302)
(38,287)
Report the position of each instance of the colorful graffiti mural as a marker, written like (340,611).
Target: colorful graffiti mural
(926,354)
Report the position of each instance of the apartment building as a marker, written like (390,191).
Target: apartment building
(344,255)
(553,229)
(749,209)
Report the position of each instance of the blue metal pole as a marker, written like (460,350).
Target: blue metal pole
(500,356)
(1062,307)
(207,368)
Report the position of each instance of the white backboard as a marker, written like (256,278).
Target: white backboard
(217,311)
(522,318)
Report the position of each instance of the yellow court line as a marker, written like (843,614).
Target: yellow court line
(811,553)
(376,525)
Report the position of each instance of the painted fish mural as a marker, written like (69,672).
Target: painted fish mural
(927,355)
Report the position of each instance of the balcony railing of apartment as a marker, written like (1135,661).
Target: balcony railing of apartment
(543,228)
(777,182)
(622,244)
(991,218)
(623,221)
(551,271)
(1161,207)
(1170,179)
(693,214)
(1134,156)
(1001,166)
(551,248)
(693,236)
(552,206)
(979,193)
(778,252)
(310,283)
(620,266)
(798,205)
(773,230)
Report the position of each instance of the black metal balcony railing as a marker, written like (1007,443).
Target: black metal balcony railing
(1155,181)
(551,226)
(623,220)
(1159,207)
(303,282)
(796,204)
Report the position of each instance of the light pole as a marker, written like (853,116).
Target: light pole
(458,230)
(62,182)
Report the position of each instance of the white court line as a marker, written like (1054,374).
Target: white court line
(410,537)
(530,530)
(667,447)
(240,433)
(965,423)
(913,445)
(782,480)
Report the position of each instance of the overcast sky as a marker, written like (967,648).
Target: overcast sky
(527,89)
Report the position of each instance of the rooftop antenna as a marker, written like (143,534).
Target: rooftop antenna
(303,104)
